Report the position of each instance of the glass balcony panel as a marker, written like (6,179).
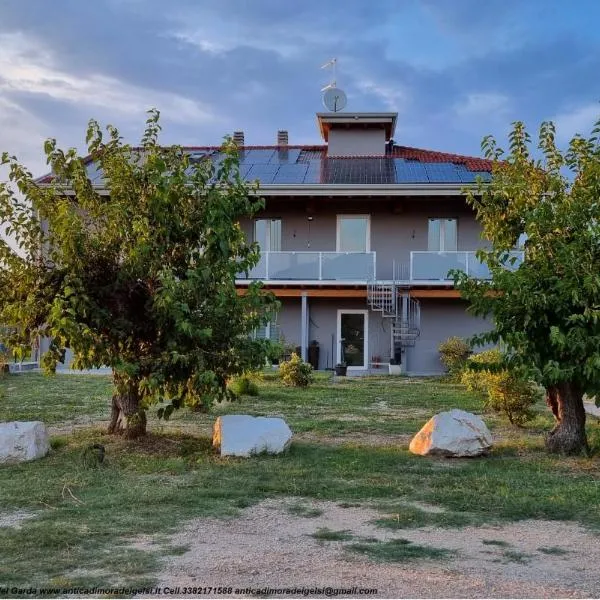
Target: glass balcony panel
(434,266)
(477,268)
(357,266)
(293,265)
(258,272)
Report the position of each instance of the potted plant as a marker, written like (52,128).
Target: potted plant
(395,368)
(341,369)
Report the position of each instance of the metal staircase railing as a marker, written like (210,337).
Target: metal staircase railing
(406,329)
(392,299)
(382,297)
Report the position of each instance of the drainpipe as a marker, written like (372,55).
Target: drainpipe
(304,327)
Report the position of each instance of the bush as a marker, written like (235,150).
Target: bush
(454,353)
(244,385)
(295,372)
(3,361)
(503,391)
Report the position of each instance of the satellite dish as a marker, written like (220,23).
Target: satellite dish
(334,99)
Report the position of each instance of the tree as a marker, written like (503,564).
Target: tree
(546,312)
(138,276)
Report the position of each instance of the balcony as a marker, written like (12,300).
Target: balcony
(314,266)
(434,266)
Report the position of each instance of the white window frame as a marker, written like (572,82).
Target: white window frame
(337,230)
(443,233)
(269,327)
(268,231)
(353,311)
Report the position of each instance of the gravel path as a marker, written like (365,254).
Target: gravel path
(266,546)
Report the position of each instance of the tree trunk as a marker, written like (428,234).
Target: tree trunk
(127,417)
(568,437)
(552,403)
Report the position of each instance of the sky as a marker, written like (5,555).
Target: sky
(454,70)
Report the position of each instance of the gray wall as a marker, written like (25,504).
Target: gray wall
(393,236)
(440,319)
(323,326)
(348,142)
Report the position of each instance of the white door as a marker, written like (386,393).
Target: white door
(353,338)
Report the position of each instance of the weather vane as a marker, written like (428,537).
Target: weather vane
(334,98)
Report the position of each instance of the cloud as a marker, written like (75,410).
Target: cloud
(455,71)
(22,133)
(576,120)
(26,66)
(487,104)
(393,97)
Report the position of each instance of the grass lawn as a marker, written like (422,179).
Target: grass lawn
(350,447)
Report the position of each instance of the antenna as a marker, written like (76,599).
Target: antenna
(334,98)
(333,64)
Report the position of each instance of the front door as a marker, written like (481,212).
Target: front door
(352,335)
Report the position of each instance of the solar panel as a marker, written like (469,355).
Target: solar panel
(264,173)
(94,172)
(285,156)
(443,172)
(313,174)
(410,172)
(256,156)
(467,176)
(361,171)
(294,173)
(310,155)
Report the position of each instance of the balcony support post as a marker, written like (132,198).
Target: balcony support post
(304,327)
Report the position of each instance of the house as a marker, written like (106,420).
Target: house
(357,237)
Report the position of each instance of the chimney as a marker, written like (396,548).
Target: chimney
(282,137)
(357,134)
(238,138)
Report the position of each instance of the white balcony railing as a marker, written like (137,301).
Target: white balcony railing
(317,266)
(434,266)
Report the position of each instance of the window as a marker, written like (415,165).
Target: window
(270,331)
(353,233)
(267,232)
(441,236)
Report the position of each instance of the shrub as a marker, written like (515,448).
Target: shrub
(244,385)
(454,353)
(503,391)
(4,360)
(295,372)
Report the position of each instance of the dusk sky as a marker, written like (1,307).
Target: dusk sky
(454,70)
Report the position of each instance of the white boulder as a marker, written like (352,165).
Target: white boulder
(452,433)
(243,435)
(23,440)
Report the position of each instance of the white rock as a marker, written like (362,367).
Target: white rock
(243,435)
(23,440)
(452,433)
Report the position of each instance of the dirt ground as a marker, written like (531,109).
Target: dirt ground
(266,546)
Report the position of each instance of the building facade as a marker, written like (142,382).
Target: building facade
(357,239)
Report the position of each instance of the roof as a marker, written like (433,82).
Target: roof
(303,165)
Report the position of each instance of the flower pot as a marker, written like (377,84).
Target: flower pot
(395,369)
(340,369)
